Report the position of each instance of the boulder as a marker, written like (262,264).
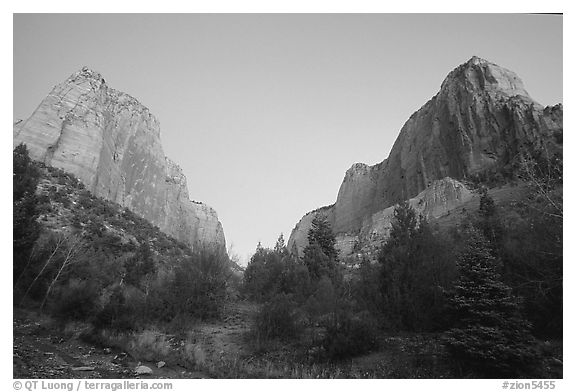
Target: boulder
(142,370)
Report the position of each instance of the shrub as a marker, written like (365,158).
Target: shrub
(366,287)
(277,319)
(115,314)
(199,285)
(192,354)
(76,301)
(194,289)
(149,345)
(351,334)
(140,265)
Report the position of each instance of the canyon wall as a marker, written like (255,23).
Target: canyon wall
(111,142)
(482,118)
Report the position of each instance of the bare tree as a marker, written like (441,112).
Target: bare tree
(543,177)
(73,248)
(58,242)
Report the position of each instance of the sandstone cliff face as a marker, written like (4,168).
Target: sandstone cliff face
(111,142)
(482,117)
(441,197)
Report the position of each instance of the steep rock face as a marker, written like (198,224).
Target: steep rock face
(111,142)
(438,199)
(441,197)
(299,236)
(482,117)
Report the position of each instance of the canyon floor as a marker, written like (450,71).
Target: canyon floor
(44,349)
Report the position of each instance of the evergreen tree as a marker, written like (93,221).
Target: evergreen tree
(280,247)
(259,247)
(25,226)
(263,273)
(320,255)
(320,233)
(490,222)
(414,267)
(492,335)
(25,173)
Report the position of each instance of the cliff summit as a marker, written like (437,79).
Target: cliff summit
(111,142)
(481,119)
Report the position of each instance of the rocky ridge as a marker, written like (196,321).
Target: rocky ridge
(111,142)
(482,118)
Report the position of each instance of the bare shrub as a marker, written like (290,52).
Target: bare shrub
(150,345)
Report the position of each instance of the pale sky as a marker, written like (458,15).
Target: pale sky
(265,113)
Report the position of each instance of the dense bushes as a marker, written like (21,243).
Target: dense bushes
(101,263)
(77,300)
(116,314)
(411,289)
(198,286)
(351,334)
(309,310)
(277,319)
(139,266)
(194,289)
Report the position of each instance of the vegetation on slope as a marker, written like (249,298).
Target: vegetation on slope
(80,257)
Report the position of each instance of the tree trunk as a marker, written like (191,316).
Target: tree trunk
(59,242)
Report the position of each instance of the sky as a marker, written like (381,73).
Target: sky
(266,112)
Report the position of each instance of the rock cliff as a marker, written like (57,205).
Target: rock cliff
(481,119)
(111,142)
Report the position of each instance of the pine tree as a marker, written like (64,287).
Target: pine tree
(24,220)
(259,248)
(320,255)
(492,335)
(25,173)
(490,222)
(280,246)
(320,233)
(414,266)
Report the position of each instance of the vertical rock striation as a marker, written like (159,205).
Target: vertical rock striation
(481,118)
(111,142)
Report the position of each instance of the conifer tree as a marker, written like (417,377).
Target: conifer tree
(490,222)
(25,213)
(492,334)
(414,266)
(320,233)
(280,246)
(320,255)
